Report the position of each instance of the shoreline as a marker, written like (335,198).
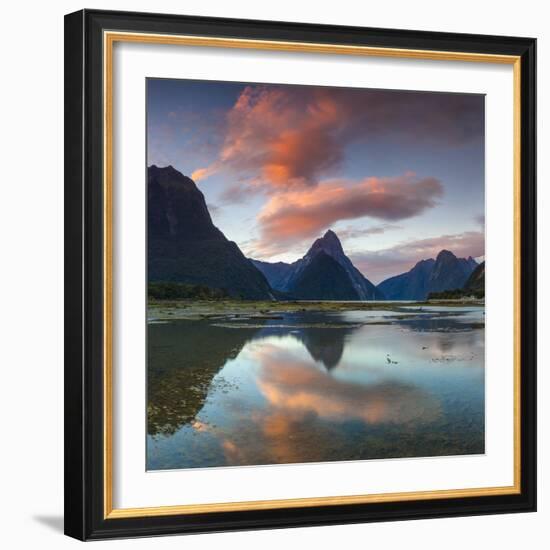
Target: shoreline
(205,309)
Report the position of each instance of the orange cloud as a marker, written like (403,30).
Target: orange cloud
(289,141)
(291,136)
(294,388)
(306,407)
(284,137)
(203,173)
(303,213)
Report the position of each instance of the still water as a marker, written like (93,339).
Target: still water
(314,387)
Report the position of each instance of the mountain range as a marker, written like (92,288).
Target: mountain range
(324,273)
(446,272)
(184,246)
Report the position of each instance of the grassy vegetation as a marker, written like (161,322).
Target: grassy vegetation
(181,291)
(457,294)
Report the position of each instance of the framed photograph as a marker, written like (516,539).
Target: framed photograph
(300,274)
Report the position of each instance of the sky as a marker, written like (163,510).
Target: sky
(397,175)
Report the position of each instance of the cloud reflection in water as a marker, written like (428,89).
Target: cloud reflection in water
(314,395)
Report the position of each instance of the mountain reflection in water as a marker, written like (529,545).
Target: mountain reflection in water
(314,387)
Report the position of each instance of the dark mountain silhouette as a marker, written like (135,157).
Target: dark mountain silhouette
(276,273)
(450,272)
(412,285)
(446,272)
(185,246)
(471,262)
(303,280)
(325,346)
(476,280)
(323,278)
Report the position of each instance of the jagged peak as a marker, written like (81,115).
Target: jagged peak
(330,234)
(156,168)
(170,177)
(445,254)
(421,264)
(448,255)
(167,170)
(329,242)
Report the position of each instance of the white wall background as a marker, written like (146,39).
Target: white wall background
(31,273)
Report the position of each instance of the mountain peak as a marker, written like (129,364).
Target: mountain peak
(422,267)
(184,245)
(329,243)
(167,176)
(445,254)
(176,206)
(302,276)
(331,235)
(169,168)
(446,272)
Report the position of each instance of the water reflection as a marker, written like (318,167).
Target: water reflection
(315,387)
(325,346)
(292,385)
(183,359)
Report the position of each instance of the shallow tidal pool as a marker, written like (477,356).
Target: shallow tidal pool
(315,387)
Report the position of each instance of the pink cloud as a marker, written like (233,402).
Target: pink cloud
(285,138)
(294,136)
(302,214)
(203,173)
(293,387)
(289,141)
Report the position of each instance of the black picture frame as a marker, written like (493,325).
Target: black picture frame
(84,282)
